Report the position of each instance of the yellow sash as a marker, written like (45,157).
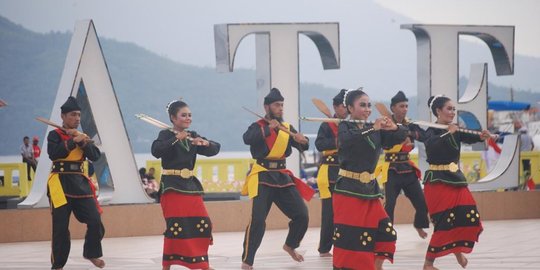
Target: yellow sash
(251,186)
(58,198)
(323,181)
(382,169)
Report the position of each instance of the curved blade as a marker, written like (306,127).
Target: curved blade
(152,121)
(381,108)
(46,121)
(322,107)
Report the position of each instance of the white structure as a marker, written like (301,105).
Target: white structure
(277,59)
(438,56)
(86,77)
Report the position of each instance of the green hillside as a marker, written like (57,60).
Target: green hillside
(31,65)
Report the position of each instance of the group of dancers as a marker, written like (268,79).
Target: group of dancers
(354,220)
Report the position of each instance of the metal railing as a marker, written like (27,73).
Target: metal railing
(228,174)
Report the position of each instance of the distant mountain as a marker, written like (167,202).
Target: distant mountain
(31,65)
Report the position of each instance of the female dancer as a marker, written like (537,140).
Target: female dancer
(452,208)
(363,233)
(189,230)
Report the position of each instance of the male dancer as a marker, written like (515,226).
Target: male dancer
(399,172)
(69,190)
(271,141)
(327,175)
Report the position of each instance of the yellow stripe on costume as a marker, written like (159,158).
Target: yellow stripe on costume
(251,186)
(382,169)
(280,145)
(74,155)
(323,183)
(323,180)
(58,198)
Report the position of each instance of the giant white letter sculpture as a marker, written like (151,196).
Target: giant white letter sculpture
(86,77)
(438,74)
(277,58)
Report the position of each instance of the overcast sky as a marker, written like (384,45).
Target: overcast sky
(183,30)
(524,14)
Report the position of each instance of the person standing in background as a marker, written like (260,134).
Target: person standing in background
(27,153)
(37,149)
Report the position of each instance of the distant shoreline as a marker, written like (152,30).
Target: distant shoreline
(141,158)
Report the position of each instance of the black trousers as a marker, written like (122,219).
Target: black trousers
(28,167)
(288,200)
(327,223)
(408,182)
(526,163)
(85,210)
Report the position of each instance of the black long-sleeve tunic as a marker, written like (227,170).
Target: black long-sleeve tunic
(445,150)
(58,148)
(255,137)
(327,141)
(360,153)
(175,156)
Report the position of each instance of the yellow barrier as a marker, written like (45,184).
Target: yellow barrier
(216,175)
(474,167)
(228,175)
(534,157)
(24,186)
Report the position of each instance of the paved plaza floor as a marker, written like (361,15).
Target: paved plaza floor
(509,244)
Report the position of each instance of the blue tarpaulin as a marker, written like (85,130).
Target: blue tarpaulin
(470,120)
(508,106)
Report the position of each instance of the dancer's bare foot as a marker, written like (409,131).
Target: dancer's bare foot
(461,259)
(378,263)
(421,233)
(294,255)
(326,254)
(168,267)
(99,263)
(428,265)
(246,266)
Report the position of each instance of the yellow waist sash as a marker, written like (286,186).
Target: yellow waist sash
(323,181)
(382,169)
(58,198)
(251,186)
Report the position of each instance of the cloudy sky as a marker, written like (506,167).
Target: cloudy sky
(183,30)
(521,13)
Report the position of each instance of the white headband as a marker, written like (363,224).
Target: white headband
(345,97)
(169,105)
(347,92)
(433,101)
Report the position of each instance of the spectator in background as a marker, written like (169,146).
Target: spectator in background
(527,144)
(37,149)
(151,174)
(151,187)
(27,153)
(142,174)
